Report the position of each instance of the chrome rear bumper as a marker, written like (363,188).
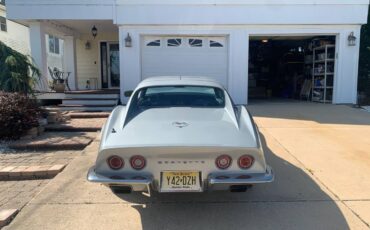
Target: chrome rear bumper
(217,181)
(221,181)
(141,183)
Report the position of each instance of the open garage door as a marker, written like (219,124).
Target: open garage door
(185,56)
(292,67)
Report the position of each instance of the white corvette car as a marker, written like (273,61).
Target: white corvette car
(180,134)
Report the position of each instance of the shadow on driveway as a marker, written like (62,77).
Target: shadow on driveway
(293,201)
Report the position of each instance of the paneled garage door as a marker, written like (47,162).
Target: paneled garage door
(185,56)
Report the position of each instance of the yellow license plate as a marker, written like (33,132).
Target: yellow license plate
(179,181)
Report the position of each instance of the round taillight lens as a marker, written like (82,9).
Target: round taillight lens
(137,162)
(115,162)
(223,162)
(245,162)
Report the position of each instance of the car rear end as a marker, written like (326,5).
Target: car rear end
(181,169)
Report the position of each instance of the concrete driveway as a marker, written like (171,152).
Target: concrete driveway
(320,154)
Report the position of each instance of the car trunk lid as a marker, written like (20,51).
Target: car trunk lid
(182,126)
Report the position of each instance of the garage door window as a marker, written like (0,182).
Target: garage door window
(174,42)
(195,42)
(154,43)
(213,43)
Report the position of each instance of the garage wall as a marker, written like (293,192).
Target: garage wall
(347,57)
(131,66)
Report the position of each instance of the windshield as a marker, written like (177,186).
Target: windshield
(176,96)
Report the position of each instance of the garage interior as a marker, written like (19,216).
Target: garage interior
(291,67)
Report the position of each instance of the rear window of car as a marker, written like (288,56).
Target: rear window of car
(179,96)
(175,96)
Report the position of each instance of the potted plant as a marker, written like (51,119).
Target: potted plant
(58,83)
(59,86)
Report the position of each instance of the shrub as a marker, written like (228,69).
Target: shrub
(17,71)
(18,113)
(364,65)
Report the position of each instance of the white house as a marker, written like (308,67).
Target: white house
(223,39)
(13,34)
(17,36)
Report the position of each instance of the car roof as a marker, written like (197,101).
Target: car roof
(179,80)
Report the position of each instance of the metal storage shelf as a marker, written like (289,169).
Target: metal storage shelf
(324,47)
(323,74)
(320,93)
(323,87)
(325,60)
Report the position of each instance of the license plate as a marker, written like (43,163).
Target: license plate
(179,181)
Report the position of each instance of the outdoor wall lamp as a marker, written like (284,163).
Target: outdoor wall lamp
(128,40)
(94,32)
(87,45)
(352,39)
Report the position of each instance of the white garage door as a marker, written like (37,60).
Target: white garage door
(185,56)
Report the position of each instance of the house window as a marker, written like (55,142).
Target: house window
(154,43)
(2,2)
(195,42)
(3,26)
(213,43)
(174,42)
(54,44)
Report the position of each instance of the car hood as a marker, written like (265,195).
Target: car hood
(182,127)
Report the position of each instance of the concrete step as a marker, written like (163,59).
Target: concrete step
(91,96)
(95,101)
(6,216)
(57,141)
(77,125)
(16,172)
(88,115)
(87,108)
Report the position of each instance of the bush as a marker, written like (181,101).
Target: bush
(18,113)
(364,65)
(17,71)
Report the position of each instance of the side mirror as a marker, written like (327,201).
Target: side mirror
(128,93)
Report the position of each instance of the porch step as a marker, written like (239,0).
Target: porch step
(95,91)
(87,108)
(75,95)
(92,101)
(88,115)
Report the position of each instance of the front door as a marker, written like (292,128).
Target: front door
(110,64)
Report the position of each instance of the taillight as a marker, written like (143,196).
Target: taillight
(223,162)
(245,162)
(137,162)
(115,162)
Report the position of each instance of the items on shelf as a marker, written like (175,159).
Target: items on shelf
(323,67)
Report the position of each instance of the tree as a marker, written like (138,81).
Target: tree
(17,71)
(364,68)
